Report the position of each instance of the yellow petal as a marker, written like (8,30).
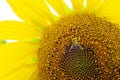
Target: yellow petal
(111,10)
(59,6)
(17,31)
(32,11)
(93,5)
(78,5)
(23,73)
(14,56)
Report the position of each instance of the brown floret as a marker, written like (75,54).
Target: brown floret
(80,47)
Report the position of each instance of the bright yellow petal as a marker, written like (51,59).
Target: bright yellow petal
(111,10)
(59,6)
(23,73)
(93,5)
(32,11)
(14,56)
(17,31)
(78,5)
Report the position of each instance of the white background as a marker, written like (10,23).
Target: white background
(6,12)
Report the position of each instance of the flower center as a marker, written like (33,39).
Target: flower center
(80,46)
(78,60)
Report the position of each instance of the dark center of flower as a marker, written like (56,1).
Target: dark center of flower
(78,60)
(80,47)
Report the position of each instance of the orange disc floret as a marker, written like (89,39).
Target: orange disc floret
(80,47)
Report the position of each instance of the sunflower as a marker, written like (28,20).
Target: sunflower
(61,40)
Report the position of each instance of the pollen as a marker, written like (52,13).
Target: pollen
(80,47)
